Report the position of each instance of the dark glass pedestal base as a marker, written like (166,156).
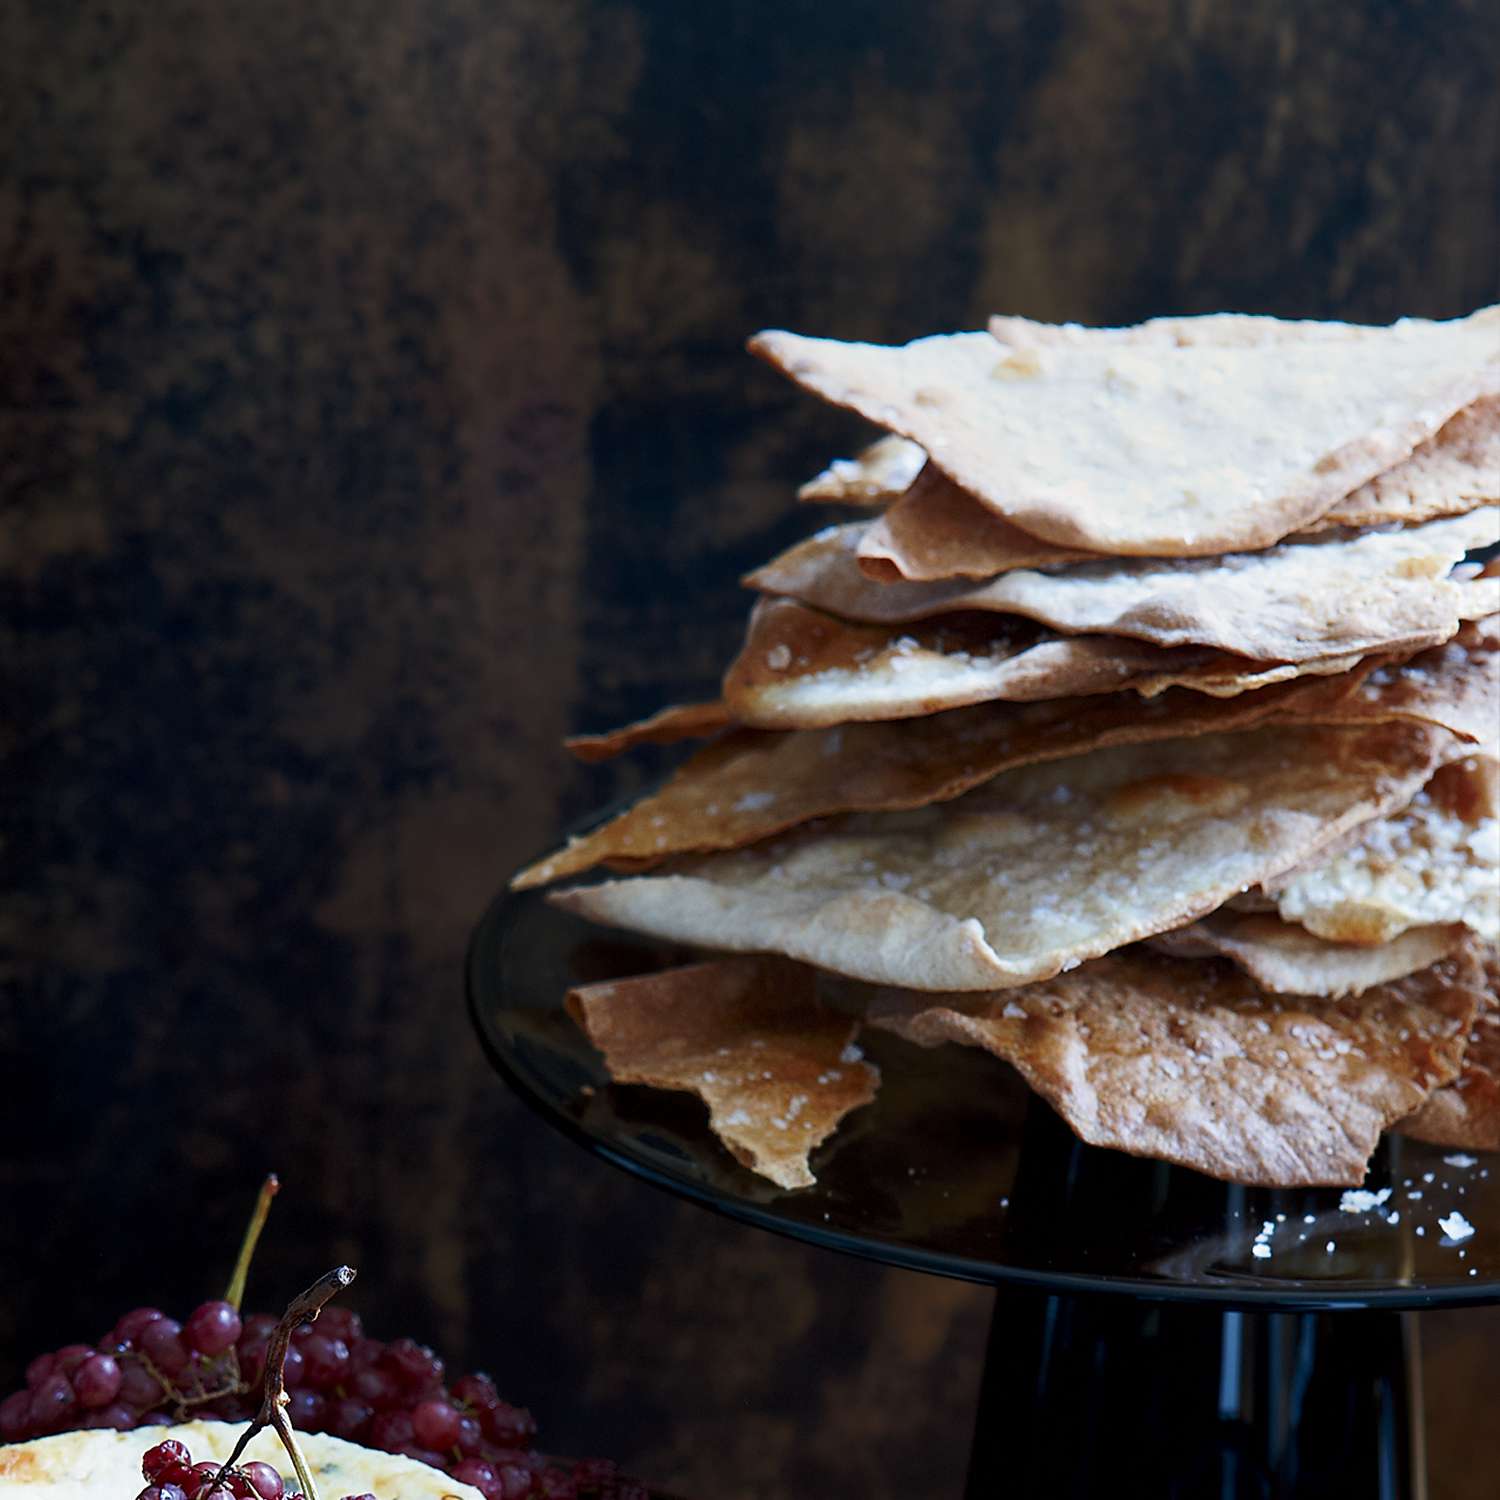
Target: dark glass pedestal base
(1085,1397)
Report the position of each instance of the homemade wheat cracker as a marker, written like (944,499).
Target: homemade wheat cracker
(748,1037)
(1175,451)
(1041,867)
(1192,1062)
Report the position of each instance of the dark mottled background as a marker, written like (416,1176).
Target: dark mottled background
(373,412)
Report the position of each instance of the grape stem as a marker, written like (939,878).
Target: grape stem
(301,1309)
(268,1190)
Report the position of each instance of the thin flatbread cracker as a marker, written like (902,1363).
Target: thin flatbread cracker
(934,531)
(678,721)
(1435,860)
(753,785)
(1466,1113)
(871,477)
(1190,1061)
(749,1038)
(1040,868)
(1456,685)
(860,480)
(1452,472)
(1292,602)
(1205,330)
(1178,451)
(802,669)
(884,470)
(1289,960)
(1458,466)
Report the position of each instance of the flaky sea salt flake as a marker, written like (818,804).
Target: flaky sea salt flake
(1455,1227)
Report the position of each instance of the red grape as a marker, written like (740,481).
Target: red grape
(365,1354)
(294,1369)
(341,1323)
(139,1387)
(238,1408)
(252,1358)
(161,1492)
(258,1326)
(470,1437)
(391,1430)
(15,1417)
(379,1387)
(265,1479)
(70,1356)
(129,1328)
(474,1471)
(39,1370)
(347,1416)
(307,1409)
(52,1404)
(169,1462)
(508,1426)
(212,1327)
(435,1424)
(515,1481)
(161,1343)
(117,1416)
(476,1391)
(199,1477)
(416,1365)
(326,1360)
(97,1380)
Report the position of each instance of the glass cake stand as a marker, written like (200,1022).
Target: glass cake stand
(1154,1331)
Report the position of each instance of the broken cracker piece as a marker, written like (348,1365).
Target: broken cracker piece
(777,1071)
(1435,860)
(1191,1062)
(885,468)
(678,721)
(1466,1113)
(1289,960)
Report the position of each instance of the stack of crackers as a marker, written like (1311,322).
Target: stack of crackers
(1142,730)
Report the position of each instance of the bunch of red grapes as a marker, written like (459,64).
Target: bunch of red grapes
(151,1369)
(171,1474)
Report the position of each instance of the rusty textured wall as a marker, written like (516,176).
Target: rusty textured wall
(372,411)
